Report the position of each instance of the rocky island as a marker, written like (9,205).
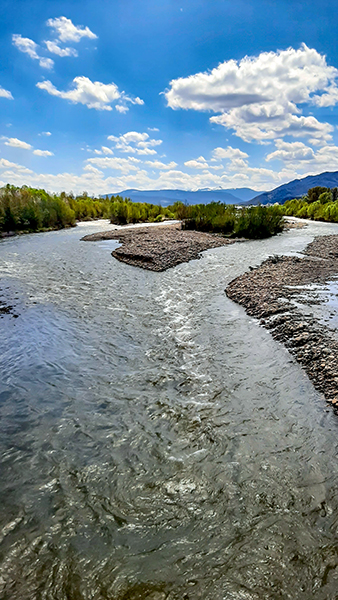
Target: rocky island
(161,247)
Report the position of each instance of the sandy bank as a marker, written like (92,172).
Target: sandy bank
(274,293)
(159,248)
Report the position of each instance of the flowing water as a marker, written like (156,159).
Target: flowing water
(155,441)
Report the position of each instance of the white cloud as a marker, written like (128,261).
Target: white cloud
(258,97)
(68,32)
(47,133)
(125,165)
(228,153)
(136,100)
(30,47)
(25,45)
(290,152)
(43,153)
(6,164)
(130,136)
(157,164)
(15,143)
(91,169)
(303,158)
(198,163)
(134,142)
(46,63)
(5,94)
(153,129)
(264,122)
(107,150)
(130,172)
(121,109)
(54,48)
(92,94)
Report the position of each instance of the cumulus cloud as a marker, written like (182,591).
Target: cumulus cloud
(134,142)
(107,150)
(25,45)
(301,157)
(94,170)
(30,47)
(92,94)
(47,133)
(5,94)
(291,151)
(132,172)
(68,32)
(157,164)
(228,153)
(259,97)
(125,165)
(6,164)
(198,163)
(43,153)
(54,48)
(265,122)
(46,63)
(15,143)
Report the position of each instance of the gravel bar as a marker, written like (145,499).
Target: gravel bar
(161,247)
(271,293)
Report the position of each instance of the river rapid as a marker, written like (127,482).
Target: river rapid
(155,441)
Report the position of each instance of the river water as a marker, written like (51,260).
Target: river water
(155,441)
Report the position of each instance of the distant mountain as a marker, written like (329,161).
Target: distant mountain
(166,197)
(296,188)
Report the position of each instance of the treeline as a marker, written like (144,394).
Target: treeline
(29,209)
(249,222)
(319,204)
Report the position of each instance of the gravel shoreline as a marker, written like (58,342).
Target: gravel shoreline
(271,293)
(159,248)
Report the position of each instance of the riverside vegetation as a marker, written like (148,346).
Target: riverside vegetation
(320,204)
(28,209)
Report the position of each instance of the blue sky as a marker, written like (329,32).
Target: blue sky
(107,95)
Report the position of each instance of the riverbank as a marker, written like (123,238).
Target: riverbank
(276,293)
(161,247)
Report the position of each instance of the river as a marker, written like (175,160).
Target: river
(155,441)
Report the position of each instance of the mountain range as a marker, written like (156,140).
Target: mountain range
(246,196)
(296,188)
(203,196)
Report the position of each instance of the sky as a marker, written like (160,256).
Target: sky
(107,95)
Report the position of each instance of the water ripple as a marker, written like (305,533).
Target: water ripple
(155,441)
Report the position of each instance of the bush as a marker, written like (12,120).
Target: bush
(252,222)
